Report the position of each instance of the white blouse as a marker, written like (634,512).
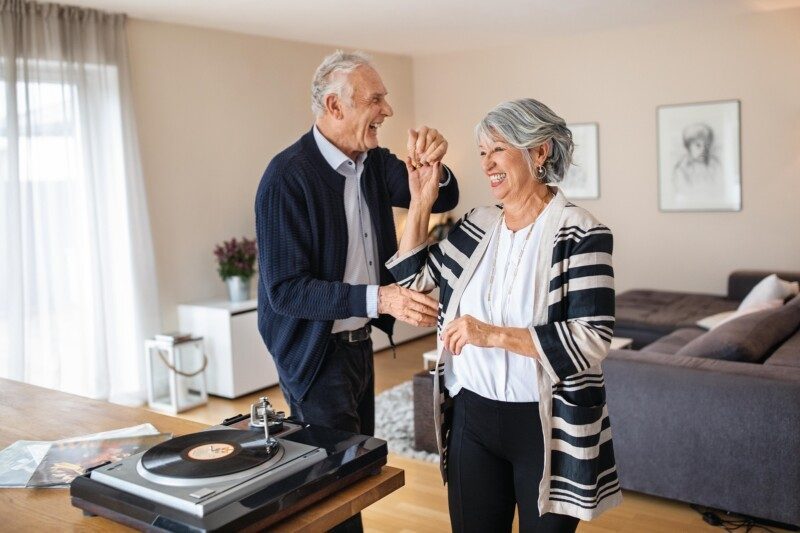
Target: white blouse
(495,373)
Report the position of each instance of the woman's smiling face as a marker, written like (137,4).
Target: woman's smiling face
(506,167)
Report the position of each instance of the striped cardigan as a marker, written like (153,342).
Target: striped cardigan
(573,322)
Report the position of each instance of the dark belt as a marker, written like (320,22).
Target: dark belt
(357,335)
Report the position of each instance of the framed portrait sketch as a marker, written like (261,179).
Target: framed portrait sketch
(699,157)
(582,181)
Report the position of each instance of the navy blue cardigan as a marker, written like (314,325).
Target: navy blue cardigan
(302,248)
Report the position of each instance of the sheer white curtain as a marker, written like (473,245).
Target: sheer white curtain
(77,278)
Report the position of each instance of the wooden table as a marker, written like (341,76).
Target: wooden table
(33,413)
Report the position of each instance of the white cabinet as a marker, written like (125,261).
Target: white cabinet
(238,361)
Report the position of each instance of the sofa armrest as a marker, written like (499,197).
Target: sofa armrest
(740,282)
(715,433)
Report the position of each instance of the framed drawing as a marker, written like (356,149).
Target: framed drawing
(699,157)
(582,181)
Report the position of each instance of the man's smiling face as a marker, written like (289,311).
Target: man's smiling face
(362,117)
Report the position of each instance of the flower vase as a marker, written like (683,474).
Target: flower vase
(238,288)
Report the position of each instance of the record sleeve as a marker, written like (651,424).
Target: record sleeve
(19,461)
(66,460)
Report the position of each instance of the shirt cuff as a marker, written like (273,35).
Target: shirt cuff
(446,177)
(372,301)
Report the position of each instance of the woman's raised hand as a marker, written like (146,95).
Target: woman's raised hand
(423,183)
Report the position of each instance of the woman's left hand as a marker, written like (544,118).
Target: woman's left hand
(467,330)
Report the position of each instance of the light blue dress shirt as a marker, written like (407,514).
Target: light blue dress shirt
(361,266)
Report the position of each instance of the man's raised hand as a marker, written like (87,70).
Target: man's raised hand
(425,146)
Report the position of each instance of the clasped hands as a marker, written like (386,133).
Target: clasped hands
(426,148)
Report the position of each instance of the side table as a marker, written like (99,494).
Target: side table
(621,343)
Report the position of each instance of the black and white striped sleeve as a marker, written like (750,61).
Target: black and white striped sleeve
(417,268)
(582,296)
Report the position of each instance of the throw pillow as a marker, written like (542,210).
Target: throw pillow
(770,288)
(748,338)
(714,321)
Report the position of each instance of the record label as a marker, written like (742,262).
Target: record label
(210,452)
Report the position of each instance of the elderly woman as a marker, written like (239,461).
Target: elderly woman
(526,315)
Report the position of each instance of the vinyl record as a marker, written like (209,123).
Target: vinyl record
(207,454)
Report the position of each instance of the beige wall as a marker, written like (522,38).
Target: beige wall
(617,79)
(212,109)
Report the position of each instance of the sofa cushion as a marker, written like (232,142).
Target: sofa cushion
(748,338)
(787,354)
(741,282)
(673,342)
(770,288)
(714,321)
(666,310)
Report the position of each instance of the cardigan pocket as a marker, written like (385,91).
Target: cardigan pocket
(585,390)
(579,421)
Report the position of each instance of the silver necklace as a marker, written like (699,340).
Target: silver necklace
(513,274)
(504,306)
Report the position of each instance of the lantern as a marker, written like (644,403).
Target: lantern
(176,378)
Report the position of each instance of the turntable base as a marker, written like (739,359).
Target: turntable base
(45,414)
(222,479)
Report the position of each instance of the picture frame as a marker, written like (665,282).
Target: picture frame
(699,156)
(582,179)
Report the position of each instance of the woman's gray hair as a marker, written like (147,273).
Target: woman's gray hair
(331,77)
(526,124)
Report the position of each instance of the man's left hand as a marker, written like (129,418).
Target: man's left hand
(467,330)
(425,146)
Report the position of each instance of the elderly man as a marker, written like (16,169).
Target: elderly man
(325,229)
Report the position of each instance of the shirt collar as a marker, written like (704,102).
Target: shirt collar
(335,157)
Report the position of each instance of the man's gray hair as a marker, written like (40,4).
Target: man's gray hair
(331,77)
(526,124)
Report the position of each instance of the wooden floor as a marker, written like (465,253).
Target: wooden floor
(421,505)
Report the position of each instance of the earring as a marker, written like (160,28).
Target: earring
(540,172)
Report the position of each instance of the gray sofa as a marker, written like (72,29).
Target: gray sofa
(648,315)
(718,433)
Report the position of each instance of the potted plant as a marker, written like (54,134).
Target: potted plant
(236,265)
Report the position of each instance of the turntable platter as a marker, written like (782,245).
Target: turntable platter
(208,454)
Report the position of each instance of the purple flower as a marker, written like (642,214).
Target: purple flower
(236,258)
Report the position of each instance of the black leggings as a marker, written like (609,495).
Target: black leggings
(495,462)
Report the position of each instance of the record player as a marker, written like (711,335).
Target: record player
(247,473)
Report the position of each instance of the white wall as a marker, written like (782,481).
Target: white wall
(618,78)
(212,108)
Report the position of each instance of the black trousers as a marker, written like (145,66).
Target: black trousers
(495,463)
(342,396)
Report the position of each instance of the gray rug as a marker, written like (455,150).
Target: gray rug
(394,422)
